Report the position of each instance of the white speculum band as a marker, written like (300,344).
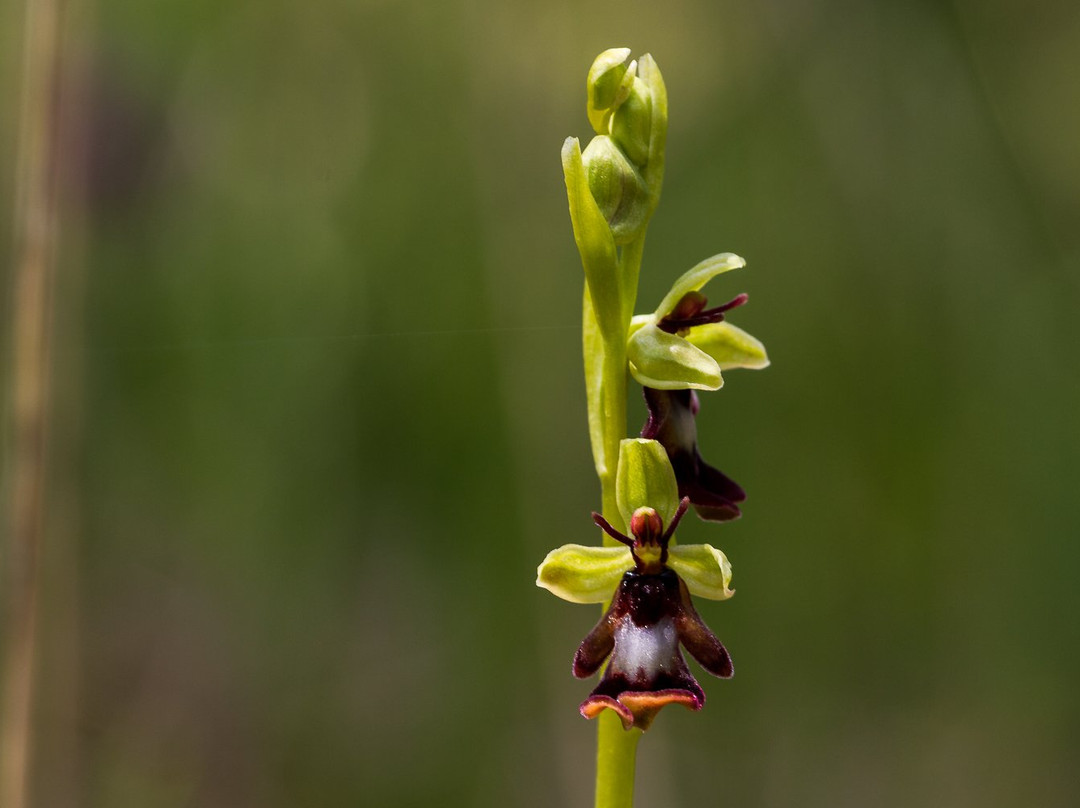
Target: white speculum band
(643,652)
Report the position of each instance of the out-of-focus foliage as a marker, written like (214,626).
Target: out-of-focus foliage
(319,408)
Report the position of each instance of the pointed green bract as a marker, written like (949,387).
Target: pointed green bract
(593,351)
(696,278)
(730,346)
(705,569)
(665,361)
(583,574)
(594,241)
(645,479)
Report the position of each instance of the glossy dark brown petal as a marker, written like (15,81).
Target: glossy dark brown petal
(672,422)
(700,642)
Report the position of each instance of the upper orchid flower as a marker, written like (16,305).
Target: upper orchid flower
(683,345)
(648,582)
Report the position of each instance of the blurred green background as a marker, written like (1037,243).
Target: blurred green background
(319,410)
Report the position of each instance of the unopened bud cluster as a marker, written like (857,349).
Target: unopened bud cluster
(616,160)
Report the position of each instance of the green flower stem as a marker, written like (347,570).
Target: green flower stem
(608,400)
(611,392)
(613,413)
(629,270)
(616,748)
(26,402)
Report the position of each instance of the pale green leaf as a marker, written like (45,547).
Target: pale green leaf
(594,241)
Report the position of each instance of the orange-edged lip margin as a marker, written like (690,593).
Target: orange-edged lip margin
(638,708)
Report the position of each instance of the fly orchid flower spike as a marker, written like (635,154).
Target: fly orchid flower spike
(648,579)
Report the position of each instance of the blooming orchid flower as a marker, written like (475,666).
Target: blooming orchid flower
(648,580)
(649,617)
(683,345)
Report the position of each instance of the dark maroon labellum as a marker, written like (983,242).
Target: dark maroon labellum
(672,422)
(649,618)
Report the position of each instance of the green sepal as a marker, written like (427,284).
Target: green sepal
(645,479)
(665,361)
(730,346)
(606,86)
(583,574)
(697,277)
(706,570)
(594,241)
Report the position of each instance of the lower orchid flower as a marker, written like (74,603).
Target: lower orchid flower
(650,616)
(649,582)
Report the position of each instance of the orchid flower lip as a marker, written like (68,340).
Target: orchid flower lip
(650,617)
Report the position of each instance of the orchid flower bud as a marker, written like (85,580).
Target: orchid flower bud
(617,187)
(631,123)
(607,86)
